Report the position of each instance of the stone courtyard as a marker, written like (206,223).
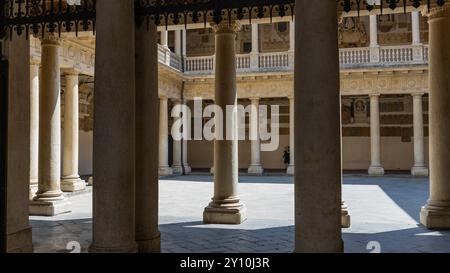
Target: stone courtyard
(384,213)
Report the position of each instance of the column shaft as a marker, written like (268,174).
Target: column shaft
(226,207)
(375,145)
(436,214)
(415,25)
(291,167)
(49,200)
(114,123)
(147,130)
(419,168)
(177,160)
(164,168)
(373,30)
(255,165)
(71,179)
(165,38)
(178,42)
(317,107)
(34,128)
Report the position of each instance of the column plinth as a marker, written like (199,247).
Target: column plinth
(226,207)
(49,200)
(436,214)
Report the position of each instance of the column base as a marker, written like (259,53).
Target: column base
(227,212)
(290,170)
(90,181)
(132,248)
(72,184)
(376,171)
(152,245)
(435,217)
(187,169)
(419,171)
(165,171)
(256,169)
(49,208)
(33,190)
(345,216)
(211,171)
(177,169)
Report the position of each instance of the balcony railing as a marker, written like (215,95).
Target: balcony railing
(284,61)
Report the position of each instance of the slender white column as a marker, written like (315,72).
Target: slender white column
(292,35)
(176,151)
(373,30)
(187,167)
(71,179)
(49,199)
(317,107)
(254,54)
(34,128)
(255,38)
(375,147)
(436,214)
(419,168)
(415,24)
(291,167)
(184,42)
(255,165)
(115,126)
(165,38)
(226,207)
(178,42)
(164,168)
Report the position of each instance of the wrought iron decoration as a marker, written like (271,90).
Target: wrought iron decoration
(56,16)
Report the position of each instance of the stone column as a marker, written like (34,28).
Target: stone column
(375,168)
(255,165)
(374,47)
(147,132)
(178,42)
(165,38)
(291,167)
(291,44)
(226,207)
(317,107)
(71,179)
(183,42)
(187,167)
(49,199)
(419,168)
(436,214)
(114,133)
(34,128)
(164,168)
(254,54)
(415,25)
(177,168)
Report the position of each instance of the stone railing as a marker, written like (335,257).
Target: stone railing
(348,57)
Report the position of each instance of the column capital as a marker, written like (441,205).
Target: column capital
(374,95)
(226,27)
(291,97)
(71,72)
(417,94)
(439,12)
(34,62)
(51,40)
(163,97)
(254,99)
